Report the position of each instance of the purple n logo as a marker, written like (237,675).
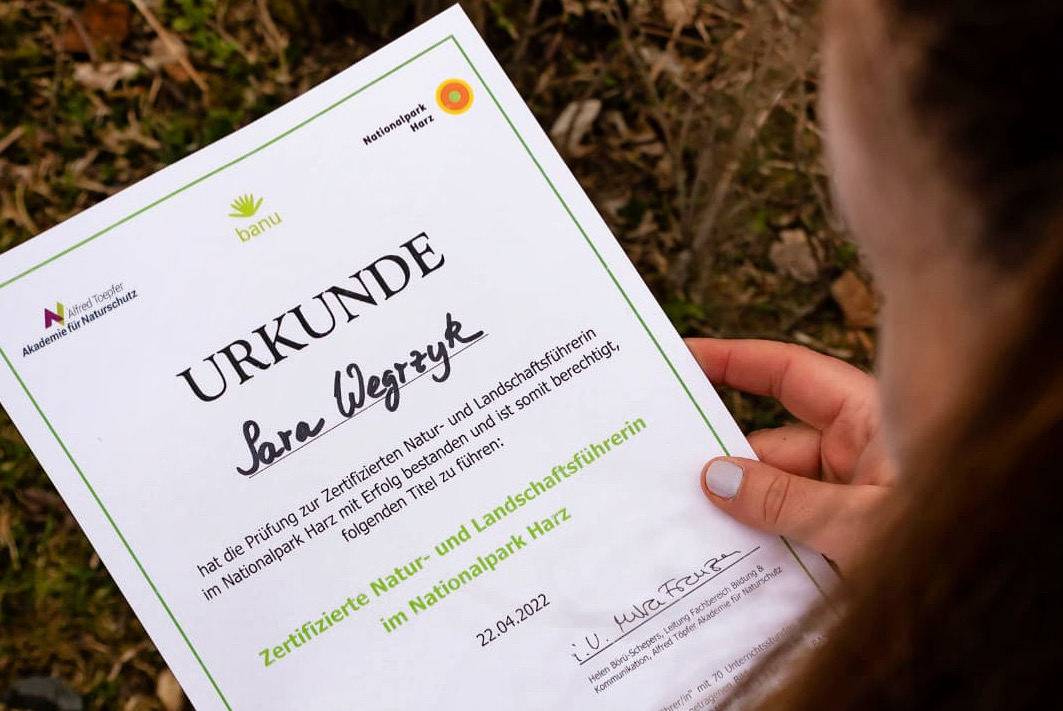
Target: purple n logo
(52,317)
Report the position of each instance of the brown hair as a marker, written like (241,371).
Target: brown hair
(955,607)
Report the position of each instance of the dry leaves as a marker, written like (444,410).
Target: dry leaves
(573,124)
(168,55)
(6,538)
(856,300)
(105,76)
(169,691)
(792,256)
(101,23)
(12,136)
(679,12)
(573,7)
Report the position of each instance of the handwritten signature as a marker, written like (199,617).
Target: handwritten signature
(667,594)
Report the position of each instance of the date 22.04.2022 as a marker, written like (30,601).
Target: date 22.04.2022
(520,614)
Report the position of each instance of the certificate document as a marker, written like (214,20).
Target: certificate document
(364,407)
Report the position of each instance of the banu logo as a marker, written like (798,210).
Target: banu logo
(245,207)
(58,316)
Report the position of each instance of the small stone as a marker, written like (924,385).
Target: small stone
(856,300)
(43,693)
(169,691)
(792,256)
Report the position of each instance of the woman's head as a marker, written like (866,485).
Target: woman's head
(940,125)
(949,168)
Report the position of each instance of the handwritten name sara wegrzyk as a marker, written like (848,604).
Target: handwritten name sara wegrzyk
(353,392)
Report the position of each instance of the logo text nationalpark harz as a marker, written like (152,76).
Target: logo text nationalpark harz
(296,328)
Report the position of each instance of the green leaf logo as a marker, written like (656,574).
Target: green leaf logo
(245,206)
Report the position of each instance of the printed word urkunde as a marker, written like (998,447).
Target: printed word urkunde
(267,346)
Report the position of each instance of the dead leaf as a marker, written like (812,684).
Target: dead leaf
(23,213)
(573,7)
(168,57)
(123,659)
(38,501)
(662,61)
(679,12)
(92,186)
(78,166)
(647,226)
(856,300)
(792,256)
(13,136)
(117,141)
(658,261)
(613,205)
(664,171)
(573,124)
(102,22)
(169,691)
(137,702)
(7,538)
(653,149)
(104,77)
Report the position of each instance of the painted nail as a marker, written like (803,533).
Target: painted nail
(723,478)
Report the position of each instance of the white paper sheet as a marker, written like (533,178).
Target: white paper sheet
(364,407)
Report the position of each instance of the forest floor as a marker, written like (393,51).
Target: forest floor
(692,126)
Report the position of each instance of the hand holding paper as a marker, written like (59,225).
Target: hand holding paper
(819,482)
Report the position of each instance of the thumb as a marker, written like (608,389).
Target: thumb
(772,500)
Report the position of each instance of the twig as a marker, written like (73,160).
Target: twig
(278,41)
(11,137)
(654,31)
(219,26)
(72,17)
(525,37)
(174,47)
(703,236)
(22,212)
(657,108)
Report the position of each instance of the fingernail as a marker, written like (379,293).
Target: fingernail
(723,478)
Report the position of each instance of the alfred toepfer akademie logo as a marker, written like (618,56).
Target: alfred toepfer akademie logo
(58,316)
(244,208)
(454,96)
(61,321)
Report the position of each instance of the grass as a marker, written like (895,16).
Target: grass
(705,148)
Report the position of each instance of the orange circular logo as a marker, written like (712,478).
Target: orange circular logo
(454,96)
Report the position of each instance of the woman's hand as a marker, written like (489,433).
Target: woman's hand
(818,482)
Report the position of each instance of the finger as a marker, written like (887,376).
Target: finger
(792,448)
(812,386)
(834,519)
(876,465)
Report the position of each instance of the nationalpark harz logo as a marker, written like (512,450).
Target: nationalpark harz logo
(454,96)
(61,321)
(245,208)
